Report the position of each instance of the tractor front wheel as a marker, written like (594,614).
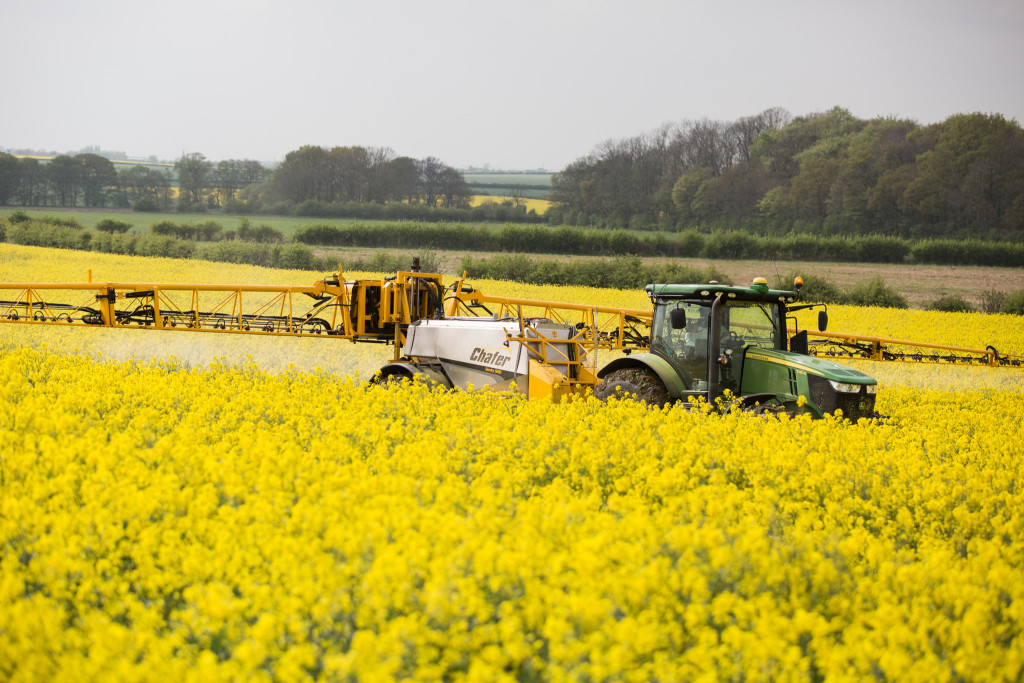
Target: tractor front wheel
(641,384)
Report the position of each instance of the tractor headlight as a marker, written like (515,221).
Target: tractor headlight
(871,388)
(845,387)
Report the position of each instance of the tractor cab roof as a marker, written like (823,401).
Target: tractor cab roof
(757,291)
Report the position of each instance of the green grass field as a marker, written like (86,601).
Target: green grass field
(140,221)
(537,185)
(508,178)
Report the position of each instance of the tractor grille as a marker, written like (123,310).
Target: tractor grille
(854,406)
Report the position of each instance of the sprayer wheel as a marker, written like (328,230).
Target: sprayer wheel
(641,384)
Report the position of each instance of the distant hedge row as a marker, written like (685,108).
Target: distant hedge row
(391,211)
(629,272)
(43,234)
(688,244)
(621,272)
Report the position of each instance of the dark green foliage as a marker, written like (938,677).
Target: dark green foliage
(879,249)
(57,221)
(732,244)
(951,303)
(624,272)
(408,234)
(388,262)
(10,178)
(164,227)
(992,301)
(875,292)
(260,233)
(146,204)
(115,243)
(401,211)
(969,252)
(1014,303)
(184,206)
(234,251)
(164,245)
(235,206)
(206,231)
(720,244)
(816,288)
(42,233)
(295,256)
(828,173)
(143,245)
(113,225)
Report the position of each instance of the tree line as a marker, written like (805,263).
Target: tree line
(79,180)
(314,176)
(365,174)
(828,173)
(92,181)
(322,180)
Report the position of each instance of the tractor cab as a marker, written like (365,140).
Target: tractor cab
(705,337)
(713,340)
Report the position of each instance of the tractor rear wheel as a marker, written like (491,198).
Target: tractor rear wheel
(641,384)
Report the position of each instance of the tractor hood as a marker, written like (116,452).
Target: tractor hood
(811,365)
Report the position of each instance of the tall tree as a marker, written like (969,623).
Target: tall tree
(227,179)
(348,173)
(32,189)
(881,148)
(973,176)
(97,174)
(745,131)
(455,193)
(379,180)
(10,178)
(65,178)
(252,172)
(193,177)
(302,175)
(403,179)
(431,170)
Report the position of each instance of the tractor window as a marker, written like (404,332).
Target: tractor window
(686,348)
(752,324)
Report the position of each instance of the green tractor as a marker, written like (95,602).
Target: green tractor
(727,344)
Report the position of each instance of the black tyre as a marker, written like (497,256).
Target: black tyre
(641,384)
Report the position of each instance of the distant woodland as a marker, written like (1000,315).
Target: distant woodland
(825,173)
(828,173)
(308,174)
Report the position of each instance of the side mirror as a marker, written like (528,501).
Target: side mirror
(677,318)
(822,321)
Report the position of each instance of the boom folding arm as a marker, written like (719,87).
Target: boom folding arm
(604,326)
(357,310)
(381,311)
(360,310)
(837,345)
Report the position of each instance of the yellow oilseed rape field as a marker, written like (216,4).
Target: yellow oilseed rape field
(188,518)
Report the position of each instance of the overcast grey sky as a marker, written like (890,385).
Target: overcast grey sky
(514,84)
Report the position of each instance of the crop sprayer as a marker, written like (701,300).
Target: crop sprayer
(724,344)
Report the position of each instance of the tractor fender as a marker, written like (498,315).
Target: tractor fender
(661,367)
(425,373)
